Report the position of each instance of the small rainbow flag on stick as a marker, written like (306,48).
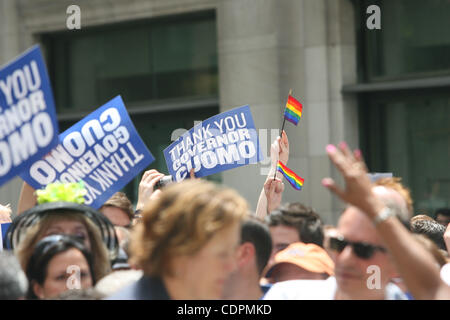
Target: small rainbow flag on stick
(293,111)
(295,180)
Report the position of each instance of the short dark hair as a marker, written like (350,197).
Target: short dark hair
(257,233)
(431,229)
(443,211)
(13,282)
(308,223)
(44,252)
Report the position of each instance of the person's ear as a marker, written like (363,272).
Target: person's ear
(38,290)
(246,253)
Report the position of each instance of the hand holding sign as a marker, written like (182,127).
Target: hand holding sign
(192,174)
(5,214)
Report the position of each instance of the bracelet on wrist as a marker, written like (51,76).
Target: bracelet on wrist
(383,215)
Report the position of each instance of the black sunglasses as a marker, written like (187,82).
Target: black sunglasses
(361,249)
(46,244)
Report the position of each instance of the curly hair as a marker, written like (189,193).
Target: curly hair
(185,217)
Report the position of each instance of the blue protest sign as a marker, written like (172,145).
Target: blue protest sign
(28,125)
(225,141)
(104,150)
(379,175)
(3,229)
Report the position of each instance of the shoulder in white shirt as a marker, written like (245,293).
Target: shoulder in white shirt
(318,290)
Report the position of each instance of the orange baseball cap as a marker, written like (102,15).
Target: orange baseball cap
(308,256)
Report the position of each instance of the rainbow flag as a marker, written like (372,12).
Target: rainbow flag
(295,180)
(293,110)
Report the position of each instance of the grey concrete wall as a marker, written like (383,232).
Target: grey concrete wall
(11,38)
(265,47)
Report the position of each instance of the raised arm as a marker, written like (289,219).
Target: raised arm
(447,238)
(146,187)
(5,213)
(271,194)
(414,263)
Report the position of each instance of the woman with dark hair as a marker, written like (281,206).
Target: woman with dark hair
(61,211)
(59,263)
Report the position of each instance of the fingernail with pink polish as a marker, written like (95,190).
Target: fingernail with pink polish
(343,145)
(330,148)
(358,153)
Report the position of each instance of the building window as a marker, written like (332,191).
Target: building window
(406,131)
(413,41)
(165,69)
(145,61)
(408,134)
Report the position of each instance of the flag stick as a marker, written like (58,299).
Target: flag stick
(282,127)
(281,132)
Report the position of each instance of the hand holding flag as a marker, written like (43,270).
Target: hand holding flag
(295,180)
(292,113)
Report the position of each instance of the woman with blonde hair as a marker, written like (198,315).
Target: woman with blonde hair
(186,242)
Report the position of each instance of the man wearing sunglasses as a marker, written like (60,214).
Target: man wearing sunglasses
(416,265)
(363,267)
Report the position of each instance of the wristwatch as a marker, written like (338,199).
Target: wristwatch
(138,213)
(383,215)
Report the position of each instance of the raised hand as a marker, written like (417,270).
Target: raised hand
(192,174)
(447,238)
(284,148)
(279,150)
(270,196)
(146,187)
(273,190)
(358,187)
(5,214)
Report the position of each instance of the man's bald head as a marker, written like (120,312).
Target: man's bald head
(395,189)
(394,200)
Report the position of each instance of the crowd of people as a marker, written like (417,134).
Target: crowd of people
(199,240)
